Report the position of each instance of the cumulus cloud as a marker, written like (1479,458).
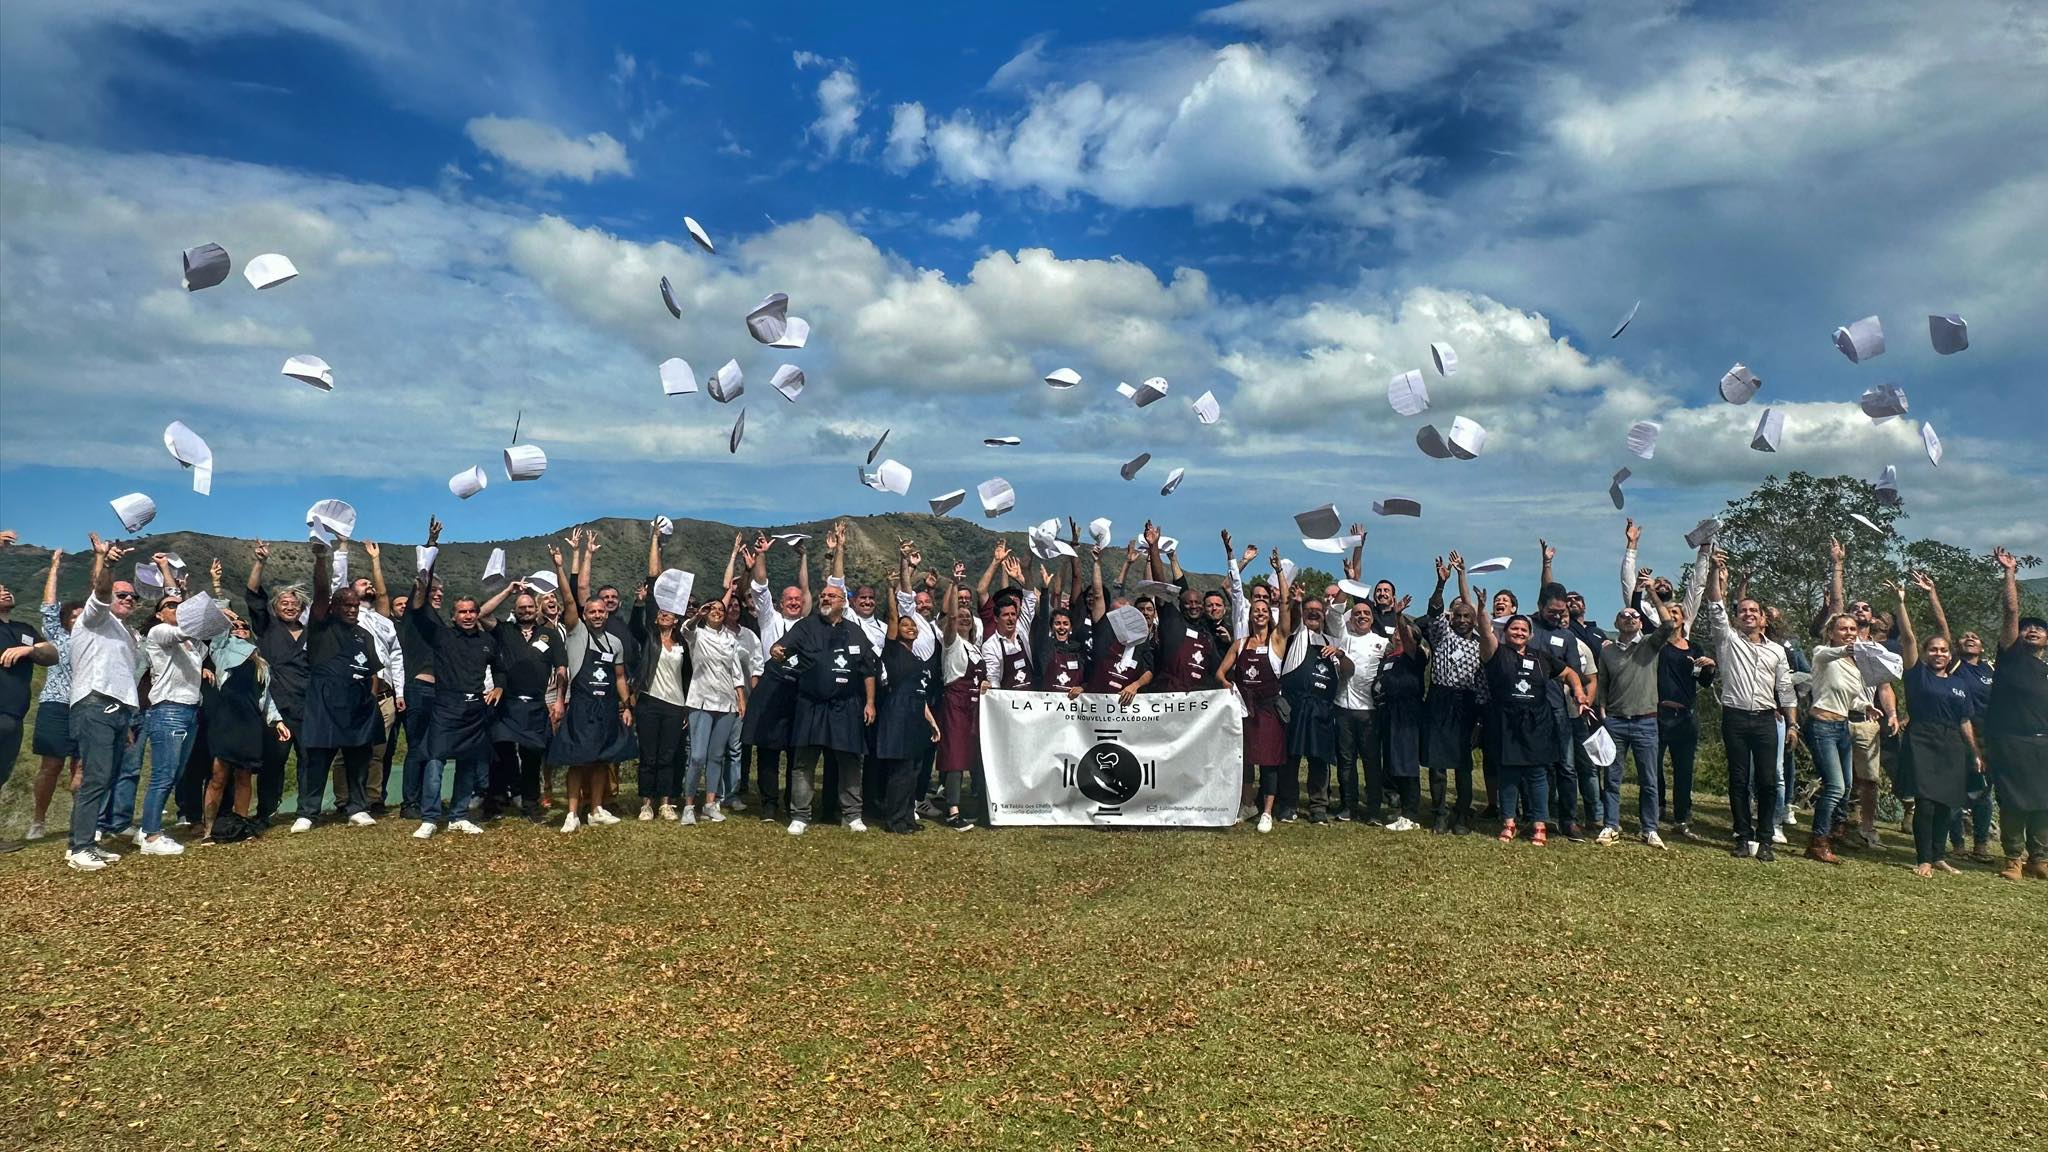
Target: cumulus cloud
(545,151)
(906,148)
(959,227)
(839,107)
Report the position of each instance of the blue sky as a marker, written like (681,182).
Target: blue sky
(1280,202)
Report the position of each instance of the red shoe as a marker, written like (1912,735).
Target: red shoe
(1539,839)
(1507,833)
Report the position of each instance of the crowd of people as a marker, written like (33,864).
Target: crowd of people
(873,694)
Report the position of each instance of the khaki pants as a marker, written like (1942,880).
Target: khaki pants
(1863,740)
(387,713)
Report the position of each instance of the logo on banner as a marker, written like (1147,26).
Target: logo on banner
(1109,773)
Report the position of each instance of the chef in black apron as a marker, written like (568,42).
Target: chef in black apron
(834,705)
(1311,676)
(533,655)
(904,725)
(341,708)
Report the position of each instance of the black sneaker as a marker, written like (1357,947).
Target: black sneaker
(1572,833)
(1461,828)
(409,812)
(1764,854)
(1492,813)
(959,823)
(1341,815)
(1290,818)
(1443,821)
(1318,817)
(1740,850)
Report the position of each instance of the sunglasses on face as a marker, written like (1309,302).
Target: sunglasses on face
(126,596)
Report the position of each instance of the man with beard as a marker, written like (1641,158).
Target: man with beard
(2018,726)
(771,703)
(835,703)
(1186,653)
(533,656)
(1125,669)
(862,602)
(1312,673)
(373,615)
(461,727)
(1452,708)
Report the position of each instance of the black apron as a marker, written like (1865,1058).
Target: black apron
(1400,713)
(901,732)
(831,694)
(1311,690)
(2018,724)
(235,723)
(340,710)
(590,720)
(1524,729)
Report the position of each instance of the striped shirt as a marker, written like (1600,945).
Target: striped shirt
(1754,677)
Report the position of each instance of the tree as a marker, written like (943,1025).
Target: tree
(1311,581)
(1777,538)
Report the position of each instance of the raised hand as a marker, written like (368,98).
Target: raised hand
(1835,550)
(916,558)
(1443,570)
(1479,600)
(1896,589)
(1151,535)
(959,570)
(2006,560)
(7,537)
(370,549)
(1923,582)
(1014,569)
(1549,553)
(1251,553)
(903,549)
(1228,548)
(762,543)
(1720,560)
(1358,530)
(555,554)
(433,531)
(1457,562)
(1401,608)
(262,549)
(1635,532)
(1274,559)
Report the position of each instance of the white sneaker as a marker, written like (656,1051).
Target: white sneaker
(465,827)
(600,816)
(302,825)
(1654,840)
(647,811)
(712,813)
(1402,824)
(1778,837)
(425,831)
(1608,836)
(857,825)
(35,830)
(162,846)
(690,815)
(105,857)
(668,812)
(796,827)
(362,820)
(1265,821)
(84,861)
(1792,817)
(136,835)
(735,806)
(1749,847)
(572,823)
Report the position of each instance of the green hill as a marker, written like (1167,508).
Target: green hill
(698,546)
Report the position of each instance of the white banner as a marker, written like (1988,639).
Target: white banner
(1171,759)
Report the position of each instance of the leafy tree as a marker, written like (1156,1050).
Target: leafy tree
(1310,580)
(1777,539)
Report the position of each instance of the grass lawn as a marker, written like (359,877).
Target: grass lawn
(727,987)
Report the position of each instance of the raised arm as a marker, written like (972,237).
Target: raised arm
(803,574)
(383,595)
(1097,609)
(1478,611)
(995,564)
(423,580)
(1549,555)
(835,550)
(1926,584)
(1909,645)
(1153,569)
(2008,599)
(255,584)
(1435,607)
(572,609)
(50,581)
(1837,597)
(654,553)
(732,560)
(321,592)
(585,566)
(1355,563)
(1487,644)
(1282,607)
(1633,534)
(488,609)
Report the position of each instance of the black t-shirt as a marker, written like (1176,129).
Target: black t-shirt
(14,682)
(419,655)
(1932,699)
(2019,694)
(528,665)
(1677,680)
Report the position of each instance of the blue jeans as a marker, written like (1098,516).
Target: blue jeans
(730,780)
(1639,737)
(119,812)
(1833,750)
(711,736)
(1525,782)
(1788,775)
(419,712)
(168,728)
(468,771)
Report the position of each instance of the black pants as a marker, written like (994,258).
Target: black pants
(1930,831)
(270,775)
(351,788)
(518,774)
(1357,739)
(767,775)
(1678,734)
(1318,789)
(419,713)
(874,786)
(898,779)
(1451,711)
(1287,789)
(660,727)
(1751,741)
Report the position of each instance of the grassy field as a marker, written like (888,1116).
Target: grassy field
(727,987)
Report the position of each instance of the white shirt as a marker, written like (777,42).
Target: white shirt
(927,632)
(384,636)
(1754,677)
(718,666)
(1366,652)
(997,649)
(960,655)
(174,661)
(774,625)
(103,654)
(757,659)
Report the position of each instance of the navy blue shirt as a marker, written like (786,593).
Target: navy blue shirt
(1944,700)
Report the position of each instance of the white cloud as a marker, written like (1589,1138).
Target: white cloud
(959,227)
(839,108)
(545,151)
(906,148)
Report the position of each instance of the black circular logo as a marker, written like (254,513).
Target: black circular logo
(1109,774)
